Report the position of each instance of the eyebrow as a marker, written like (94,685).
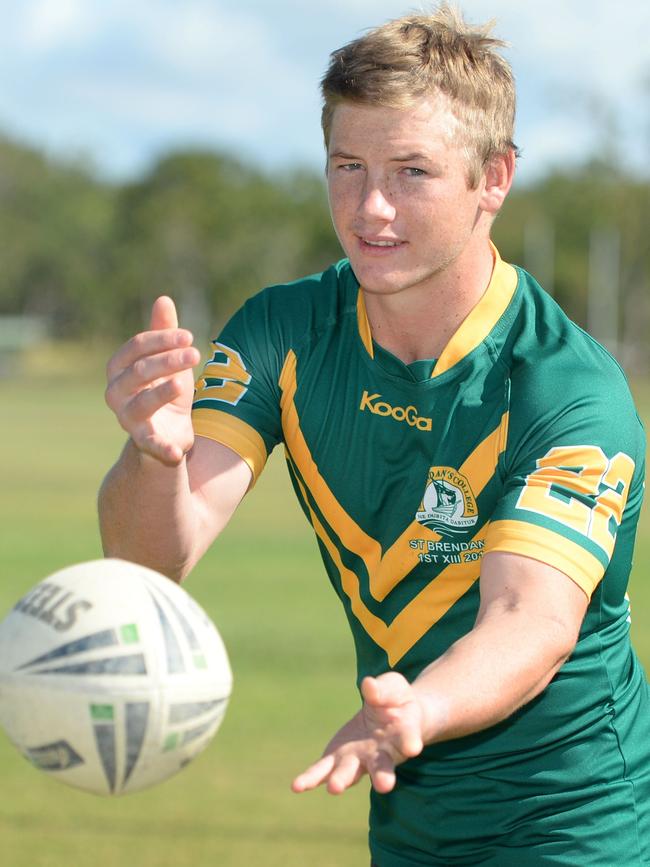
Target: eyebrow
(341,155)
(407,158)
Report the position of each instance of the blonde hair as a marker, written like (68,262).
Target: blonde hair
(417,56)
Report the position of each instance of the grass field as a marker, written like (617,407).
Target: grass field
(288,642)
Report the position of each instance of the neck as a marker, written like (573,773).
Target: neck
(419,321)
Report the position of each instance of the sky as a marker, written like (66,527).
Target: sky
(118,83)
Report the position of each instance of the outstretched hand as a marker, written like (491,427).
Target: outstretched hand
(385,732)
(150,386)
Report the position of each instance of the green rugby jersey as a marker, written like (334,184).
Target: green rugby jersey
(522,437)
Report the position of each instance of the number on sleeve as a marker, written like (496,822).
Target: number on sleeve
(225,377)
(580,487)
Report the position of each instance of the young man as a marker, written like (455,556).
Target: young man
(471,462)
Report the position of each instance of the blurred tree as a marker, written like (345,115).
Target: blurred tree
(597,197)
(210,231)
(54,236)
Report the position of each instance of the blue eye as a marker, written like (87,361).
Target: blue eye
(412,172)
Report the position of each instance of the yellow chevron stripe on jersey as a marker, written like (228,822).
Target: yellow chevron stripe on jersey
(538,543)
(385,571)
(430,605)
(397,562)
(416,618)
(560,388)
(232,432)
(374,626)
(352,536)
(481,464)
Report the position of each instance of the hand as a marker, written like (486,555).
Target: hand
(150,386)
(386,731)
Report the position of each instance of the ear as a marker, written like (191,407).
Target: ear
(499,174)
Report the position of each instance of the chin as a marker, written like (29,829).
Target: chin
(377,283)
(376,279)
(374,287)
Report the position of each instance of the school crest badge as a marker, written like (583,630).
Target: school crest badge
(448,504)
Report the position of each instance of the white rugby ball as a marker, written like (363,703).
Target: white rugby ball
(112,678)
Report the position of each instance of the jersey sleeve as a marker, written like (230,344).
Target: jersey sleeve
(236,399)
(574,468)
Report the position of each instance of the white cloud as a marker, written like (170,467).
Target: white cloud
(47,24)
(126,79)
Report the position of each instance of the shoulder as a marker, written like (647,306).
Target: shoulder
(309,300)
(564,381)
(286,318)
(284,315)
(551,357)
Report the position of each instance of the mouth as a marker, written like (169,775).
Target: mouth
(380,243)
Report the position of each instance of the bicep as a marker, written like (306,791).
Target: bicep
(551,603)
(219,478)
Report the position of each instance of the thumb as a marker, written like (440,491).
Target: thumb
(390,688)
(163,314)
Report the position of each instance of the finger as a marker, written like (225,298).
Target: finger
(347,772)
(382,772)
(409,742)
(402,729)
(146,344)
(148,370)
(146,403)
(314,775)
(163,314)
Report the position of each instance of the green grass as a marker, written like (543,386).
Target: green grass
(289,645)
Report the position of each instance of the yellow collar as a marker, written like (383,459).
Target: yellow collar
(474,328)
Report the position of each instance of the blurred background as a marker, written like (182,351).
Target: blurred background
(175,147)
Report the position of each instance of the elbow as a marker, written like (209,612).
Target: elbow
(565,634)
(561,640)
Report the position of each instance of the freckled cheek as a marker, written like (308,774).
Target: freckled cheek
(343,202)
(425,219)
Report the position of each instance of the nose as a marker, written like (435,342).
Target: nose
(375,204)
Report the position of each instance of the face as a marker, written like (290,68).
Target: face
(399,194)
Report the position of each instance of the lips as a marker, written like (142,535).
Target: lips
(381,243)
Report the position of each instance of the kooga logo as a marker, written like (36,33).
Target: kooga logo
(409,414)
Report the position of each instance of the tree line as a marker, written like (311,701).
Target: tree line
(88,256)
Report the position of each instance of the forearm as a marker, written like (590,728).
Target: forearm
(502,664)
(146,513)
(528,623)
